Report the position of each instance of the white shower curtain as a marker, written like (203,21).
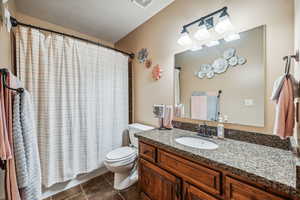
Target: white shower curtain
(80,92)
(177,86)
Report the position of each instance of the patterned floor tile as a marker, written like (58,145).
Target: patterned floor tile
(67,194)
(131,193)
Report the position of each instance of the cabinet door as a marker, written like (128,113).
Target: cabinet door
(193,193)
(158,184)
(237,190)
(144,196)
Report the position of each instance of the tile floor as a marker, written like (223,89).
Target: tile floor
(99,188)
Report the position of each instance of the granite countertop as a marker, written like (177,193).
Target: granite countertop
(273,167)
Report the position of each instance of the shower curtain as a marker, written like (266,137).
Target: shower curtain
(80,92)
(177,86)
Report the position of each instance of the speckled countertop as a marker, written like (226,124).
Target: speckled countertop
(270,166)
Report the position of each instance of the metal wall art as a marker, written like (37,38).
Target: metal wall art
(142,55)
(156,72)
(220,65)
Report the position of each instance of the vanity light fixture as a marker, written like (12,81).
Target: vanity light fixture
(213,43)
(224,24)
(184,39)
(232,37)
(202,32)
(223,27)
(196,47)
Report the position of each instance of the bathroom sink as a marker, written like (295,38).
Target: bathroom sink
(196,142)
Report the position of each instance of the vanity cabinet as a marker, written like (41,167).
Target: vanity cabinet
(237,190)
(158,184)
(191,192)
(204,178)
(164,175)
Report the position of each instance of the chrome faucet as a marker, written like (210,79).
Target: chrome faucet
(204,131)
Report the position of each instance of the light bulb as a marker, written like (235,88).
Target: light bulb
(184,39)
(202,33)
(223,25)
(213,43)
(231,37)
(196,47)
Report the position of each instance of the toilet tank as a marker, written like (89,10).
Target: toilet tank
(135,128)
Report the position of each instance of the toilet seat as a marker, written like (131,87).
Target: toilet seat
(121,156)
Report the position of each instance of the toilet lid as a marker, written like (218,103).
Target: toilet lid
(121,153)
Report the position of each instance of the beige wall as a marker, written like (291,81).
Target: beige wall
(37,22)
(161,32)
(237,83)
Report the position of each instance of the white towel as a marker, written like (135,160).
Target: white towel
(277,86)
(27,153)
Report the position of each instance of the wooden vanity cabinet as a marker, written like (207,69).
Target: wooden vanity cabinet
(163,175)
(191,192)
(237,190)
(158,184)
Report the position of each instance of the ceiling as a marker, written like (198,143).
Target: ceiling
(109,20)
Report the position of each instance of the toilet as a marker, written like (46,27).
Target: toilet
(122,161)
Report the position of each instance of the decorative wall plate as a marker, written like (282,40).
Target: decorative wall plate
(201,75)
(229,53)
(156,72)
(148,63)
(142,55)
(220,65)
(206,68)
(233,61)
(242,60)
(210,74)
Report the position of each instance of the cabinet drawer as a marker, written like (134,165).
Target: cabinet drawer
(237,190)
(147,151)
(193,193)
(207,179)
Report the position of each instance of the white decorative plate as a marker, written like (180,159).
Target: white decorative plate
(210,74)
(205,68)
(242,60)
(220,65)
(233,61)
(229,53)
(201,75)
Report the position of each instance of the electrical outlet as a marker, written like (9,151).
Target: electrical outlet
(248,102)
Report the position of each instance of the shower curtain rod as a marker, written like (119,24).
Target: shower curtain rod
(15,23)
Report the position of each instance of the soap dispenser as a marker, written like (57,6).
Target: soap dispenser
(220,128)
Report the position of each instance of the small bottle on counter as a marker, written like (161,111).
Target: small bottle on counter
(220,128)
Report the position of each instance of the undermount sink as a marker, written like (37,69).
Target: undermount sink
(196,142)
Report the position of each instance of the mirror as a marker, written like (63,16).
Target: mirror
(224,82)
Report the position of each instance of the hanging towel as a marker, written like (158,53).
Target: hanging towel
(285,110)
(277,88)
(205,105)
(212,106)
(168,117)
(278,84)
(199,107)
(179,110)
(11,186)
(26,148)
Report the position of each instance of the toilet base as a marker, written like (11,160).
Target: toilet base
(124,180)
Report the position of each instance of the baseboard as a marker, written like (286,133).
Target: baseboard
(60,187)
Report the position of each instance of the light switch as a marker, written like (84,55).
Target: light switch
(248,102)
